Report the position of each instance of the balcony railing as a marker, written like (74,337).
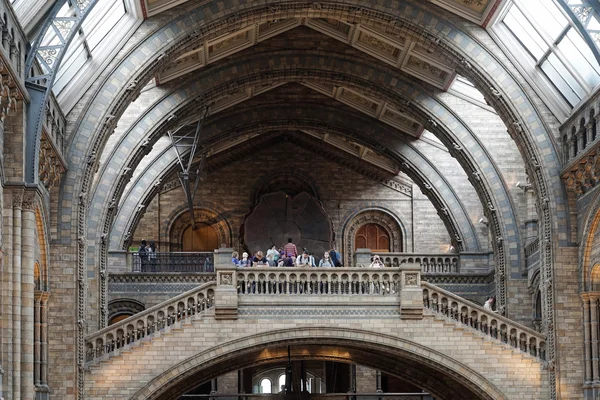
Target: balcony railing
(318,281)
(442,263)
(173,262)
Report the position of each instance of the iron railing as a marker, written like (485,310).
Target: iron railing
(173,262)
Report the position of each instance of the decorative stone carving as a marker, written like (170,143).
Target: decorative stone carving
(410,279)
(50,165)
(226,279)
(29,202)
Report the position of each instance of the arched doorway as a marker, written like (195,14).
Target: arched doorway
(372,236)
(436,377)
(203,238)
(376,229)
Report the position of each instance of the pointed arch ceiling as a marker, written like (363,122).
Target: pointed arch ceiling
(370,82)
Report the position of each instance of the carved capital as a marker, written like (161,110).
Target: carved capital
(29,202)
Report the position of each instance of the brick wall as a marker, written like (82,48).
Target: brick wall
(231,189)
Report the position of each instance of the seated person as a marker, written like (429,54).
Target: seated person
(245,261)
(377,263)
(281,262)
(289,261)
(305,260)
(259,259)
(271,261)
(326,261)
(234,258)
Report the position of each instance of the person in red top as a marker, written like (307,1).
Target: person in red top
(290,248)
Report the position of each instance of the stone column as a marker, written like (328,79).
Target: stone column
(411,294)
(378,384)
(586,332)
(588,133)
(7,298)
(37,346)
(44,346)
(581,137)
(594,341)
(27,294)
(226,297)
(17,197)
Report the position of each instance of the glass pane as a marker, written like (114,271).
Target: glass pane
(576,50)
(525,33)
(558,76)
(547,15)
(101,21)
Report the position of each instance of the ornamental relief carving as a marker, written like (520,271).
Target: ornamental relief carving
(410,280)
(50,167)
(584,176)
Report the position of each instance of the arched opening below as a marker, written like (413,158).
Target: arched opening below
(435,378)
(203,238)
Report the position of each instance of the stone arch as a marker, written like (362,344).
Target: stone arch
(379,215)
(446,377)
(180,219)
(530,134)
(294,176)
(586,257)
(124,307)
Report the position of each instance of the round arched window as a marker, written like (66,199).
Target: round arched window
(265,385)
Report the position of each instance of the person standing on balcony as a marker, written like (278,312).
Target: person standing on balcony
(336,257)
(143,255)
(305,260)
(245,261)
(377,263)
(274,253)
(152,250)
(326,261)
(290,248)
(259,259)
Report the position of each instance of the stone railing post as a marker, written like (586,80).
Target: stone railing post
(362,257)
(411,293)
(226,297)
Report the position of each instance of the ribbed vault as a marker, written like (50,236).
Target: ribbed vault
(453,43)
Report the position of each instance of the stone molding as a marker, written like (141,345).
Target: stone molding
(162,278)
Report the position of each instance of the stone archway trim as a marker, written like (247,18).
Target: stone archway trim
(431,357)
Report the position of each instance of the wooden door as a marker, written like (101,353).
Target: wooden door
(372,236)
(203,238)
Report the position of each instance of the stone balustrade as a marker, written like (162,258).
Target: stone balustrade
(430,263)
(488,322)
(150,321)
(318,281)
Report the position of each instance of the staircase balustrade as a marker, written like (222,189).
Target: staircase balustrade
(318,281)
(488,322)
(150,321)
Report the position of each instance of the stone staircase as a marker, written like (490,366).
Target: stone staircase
(187,333)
